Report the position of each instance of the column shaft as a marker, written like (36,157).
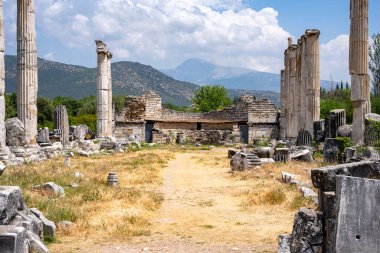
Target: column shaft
(27,72)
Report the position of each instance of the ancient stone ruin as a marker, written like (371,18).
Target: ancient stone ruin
(360,80)
(347,215)
(300,85)
(27,72)
(104,112)
(245,121)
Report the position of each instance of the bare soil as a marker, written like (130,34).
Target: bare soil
(202,212)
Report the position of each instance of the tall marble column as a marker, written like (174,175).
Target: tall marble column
(294,99)
(283,105)
(360,81)
(27,72)
(2,79)
(313,79)
(104,92)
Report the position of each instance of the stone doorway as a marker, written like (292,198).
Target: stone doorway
(149,132)
(243,134)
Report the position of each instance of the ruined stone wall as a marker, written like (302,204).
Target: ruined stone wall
(175,126)
(124,130)
(134,110)
(261,115)
(262,111)
(259,131)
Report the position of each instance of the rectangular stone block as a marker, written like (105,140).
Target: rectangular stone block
(325,178)
(12,240)
(357,215)
(10,202)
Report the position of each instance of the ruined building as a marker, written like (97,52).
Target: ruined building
(245,121)
(300,85)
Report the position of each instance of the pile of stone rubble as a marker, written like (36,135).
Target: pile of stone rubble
(22,230)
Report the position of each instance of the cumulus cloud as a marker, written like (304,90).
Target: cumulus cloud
(163,33)
(334,59)
(50,56)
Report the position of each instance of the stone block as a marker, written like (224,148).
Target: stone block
(325,178)
(282,155)
(307,233)
(49,227)
(332,150)
(328,206)
(284,243)
(344,131)
(43,135)
(15,132)
(357,215)
(13,240)
(304,155)
(264,152)
(10,202)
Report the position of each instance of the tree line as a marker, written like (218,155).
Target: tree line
(80,111)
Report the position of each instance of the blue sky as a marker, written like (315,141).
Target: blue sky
(163,33)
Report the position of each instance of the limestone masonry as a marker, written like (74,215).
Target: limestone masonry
(246,121)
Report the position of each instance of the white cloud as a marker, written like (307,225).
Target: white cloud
(163,33)
(334,59)
(50,56)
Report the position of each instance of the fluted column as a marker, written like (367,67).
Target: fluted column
(2,79)
(104,92)
(313,78)
(283,105)
(294,100)
(360,81)
(61,122)
(27,73)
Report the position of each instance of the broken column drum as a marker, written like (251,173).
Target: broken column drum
(2,79)
(61,122)
(104,110)
(27,71)
(360,81)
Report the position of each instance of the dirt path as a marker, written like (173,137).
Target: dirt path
(200,212)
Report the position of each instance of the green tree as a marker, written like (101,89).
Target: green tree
(72,105)
(10,105)
(374,63)
(119,101)
(45,109)
(87,105)
(209,98)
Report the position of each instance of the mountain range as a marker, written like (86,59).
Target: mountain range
(132,78)
(202,72)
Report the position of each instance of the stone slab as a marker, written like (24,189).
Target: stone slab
(10,202)
(12,240)
(357,215)
(325,178)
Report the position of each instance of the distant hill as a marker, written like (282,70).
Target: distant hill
(132,78)
(202,72)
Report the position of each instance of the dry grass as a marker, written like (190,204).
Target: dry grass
(99,212)
(266,188)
